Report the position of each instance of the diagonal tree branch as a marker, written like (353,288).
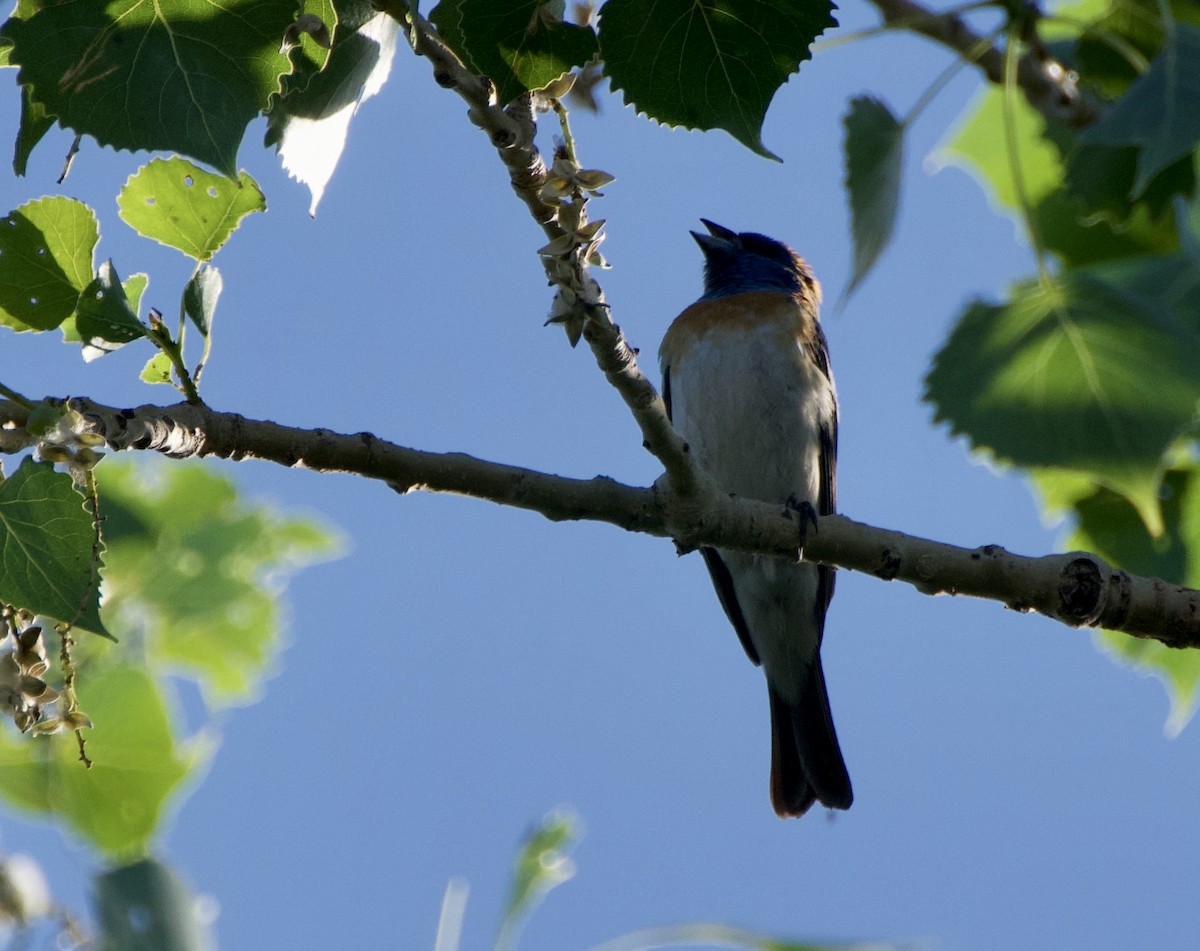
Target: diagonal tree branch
(511,130)
(1076,588)
(1048,85)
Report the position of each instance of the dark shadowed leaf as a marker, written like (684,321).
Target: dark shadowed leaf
(47,560)
(1057,377)
(874,152)
(189,76)
(708,64)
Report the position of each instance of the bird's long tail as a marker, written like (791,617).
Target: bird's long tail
(806,761)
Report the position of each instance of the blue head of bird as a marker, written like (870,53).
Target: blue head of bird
(735,263)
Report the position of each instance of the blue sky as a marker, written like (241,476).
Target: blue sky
(1014,788)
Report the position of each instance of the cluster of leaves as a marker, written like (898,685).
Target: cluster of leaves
(1088,376)
(186,593)
(191,590)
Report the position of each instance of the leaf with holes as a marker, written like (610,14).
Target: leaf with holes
(184,207)
(708,64)
(105,319)
(46,250)
(874,157)
(157,369)
(48,562)
(1072,375)
(178,75)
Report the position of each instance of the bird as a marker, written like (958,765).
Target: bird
(748,387)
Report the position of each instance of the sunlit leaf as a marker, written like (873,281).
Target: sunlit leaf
(157,369)
(541,865)
(184,207)
(118,804)
(308,125)
(46,250)
(1066,225)
(197,570)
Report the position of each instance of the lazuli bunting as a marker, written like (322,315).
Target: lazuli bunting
(747,384)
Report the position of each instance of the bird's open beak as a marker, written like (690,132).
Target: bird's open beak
(718,239)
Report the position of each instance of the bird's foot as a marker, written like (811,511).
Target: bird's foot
(808,515)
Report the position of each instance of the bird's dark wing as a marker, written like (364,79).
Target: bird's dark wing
(827,499)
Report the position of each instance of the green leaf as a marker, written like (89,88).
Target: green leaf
(179,75)
(35,123)
(197,570)
(1058,377)
(1187,218)
(47,563)
(1102,178)
(23,11)
(133,286)
(1068,227)
(309,124)
(519,44)
(118,804)
(201,295)
(447,17)
(147,907)
(1158,112)
(45,261)
(708,64)
(184,207)
(313,56)
(157,369)
(1109,526)
(541,865)
(105,320)
(874,158)
(1169,282)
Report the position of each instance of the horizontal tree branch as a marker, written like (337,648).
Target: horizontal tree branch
(1076,588)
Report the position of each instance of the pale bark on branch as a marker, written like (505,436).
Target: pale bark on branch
(1076,588)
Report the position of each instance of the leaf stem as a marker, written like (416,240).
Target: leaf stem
(943,78)
(564,123)
(16,397)
(1014,157)
(160,336)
